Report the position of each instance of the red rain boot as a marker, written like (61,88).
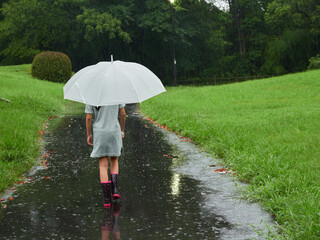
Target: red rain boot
(106,189)
(114,180)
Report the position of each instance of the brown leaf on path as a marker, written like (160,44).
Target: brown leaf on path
(2,199)
(4,206)
(52,151)
(220,170)
(13,188)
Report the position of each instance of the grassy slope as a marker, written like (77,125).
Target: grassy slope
(20,121)
(268,130)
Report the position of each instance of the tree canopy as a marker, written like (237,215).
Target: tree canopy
(251,37)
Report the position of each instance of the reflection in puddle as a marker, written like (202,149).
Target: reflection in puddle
(110,224)
(175,184)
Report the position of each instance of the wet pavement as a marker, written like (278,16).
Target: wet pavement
(168,191)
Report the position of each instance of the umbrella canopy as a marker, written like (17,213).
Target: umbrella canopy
(111,83)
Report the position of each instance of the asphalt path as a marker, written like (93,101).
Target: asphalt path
(170,190)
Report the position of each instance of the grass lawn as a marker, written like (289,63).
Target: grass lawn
(33,102)
(268,130)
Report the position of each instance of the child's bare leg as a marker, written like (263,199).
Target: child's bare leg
(114,170)
(103,167)
(105,184)
(114,167)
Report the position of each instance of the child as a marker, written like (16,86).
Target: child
(107,144)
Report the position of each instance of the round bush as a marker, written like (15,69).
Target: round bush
(314,62)
(52,66)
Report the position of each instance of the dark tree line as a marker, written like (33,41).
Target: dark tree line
(252,37)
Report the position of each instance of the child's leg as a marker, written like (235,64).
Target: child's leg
(105,184)
(114,167)
(114,170)
(103,167)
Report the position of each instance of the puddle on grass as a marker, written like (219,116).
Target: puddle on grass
(65,201)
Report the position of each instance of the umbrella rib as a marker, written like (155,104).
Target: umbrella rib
(124,71)
(80,93)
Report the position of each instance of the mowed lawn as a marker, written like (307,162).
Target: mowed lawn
(268,131)
(33,102)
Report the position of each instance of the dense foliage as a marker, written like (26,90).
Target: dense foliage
(264,37)
(314,62)
(52,66)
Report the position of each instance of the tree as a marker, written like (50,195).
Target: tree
(294,35)
(30,26)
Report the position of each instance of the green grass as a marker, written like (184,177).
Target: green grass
(33,101)
(268,130)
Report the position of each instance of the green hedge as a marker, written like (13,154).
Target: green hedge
(314,62)
(52,66)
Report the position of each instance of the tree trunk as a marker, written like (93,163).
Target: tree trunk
(242,42)
(237,16)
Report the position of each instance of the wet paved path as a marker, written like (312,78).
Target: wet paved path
(159,201)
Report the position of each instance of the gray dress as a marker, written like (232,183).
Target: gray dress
(107,140)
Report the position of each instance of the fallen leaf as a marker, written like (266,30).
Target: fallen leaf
(4,206)
(13,188)
(2,199)
(220,170)
(11,198)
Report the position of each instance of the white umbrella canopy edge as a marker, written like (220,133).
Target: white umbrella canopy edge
(75,81)
(140,76)
(109,83)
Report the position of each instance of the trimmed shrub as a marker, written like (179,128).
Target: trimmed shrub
(52,66)
(314,62)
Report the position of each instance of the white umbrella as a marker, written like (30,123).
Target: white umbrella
(111,83)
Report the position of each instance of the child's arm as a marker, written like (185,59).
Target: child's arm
(122,120)
(88,126)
